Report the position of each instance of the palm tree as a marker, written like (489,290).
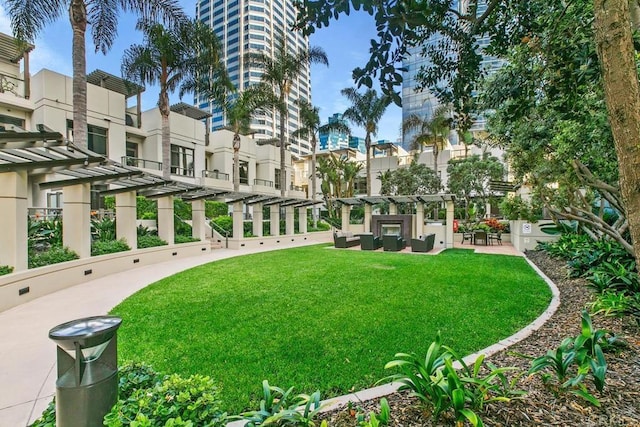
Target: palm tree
(279,71)
(350,171)
(173,57)
(310,119)
(432,131)
(365,111)
(28,19)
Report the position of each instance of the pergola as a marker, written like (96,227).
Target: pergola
(418,200)
(45,158)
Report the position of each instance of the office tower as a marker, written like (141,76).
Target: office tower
(254,25)
(424,103)
(333,139)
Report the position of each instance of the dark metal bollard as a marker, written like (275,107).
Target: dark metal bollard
(87,385)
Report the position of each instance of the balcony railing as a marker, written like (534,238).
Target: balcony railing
(141,163)
(214,174)
(263,182)
(295,188)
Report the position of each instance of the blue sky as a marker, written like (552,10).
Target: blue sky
(346,42)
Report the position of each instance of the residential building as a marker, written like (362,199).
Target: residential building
(252,26)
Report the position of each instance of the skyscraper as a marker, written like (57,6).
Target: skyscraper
(254,25)
(424,103)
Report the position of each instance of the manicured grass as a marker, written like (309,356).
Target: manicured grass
(320,318)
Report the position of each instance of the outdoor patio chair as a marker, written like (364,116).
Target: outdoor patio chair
(345,239)
(394,243)
(423,244)
(495,237)
(369,242)
(480,237)
(467,236)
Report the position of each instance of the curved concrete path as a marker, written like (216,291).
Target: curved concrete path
(28,356)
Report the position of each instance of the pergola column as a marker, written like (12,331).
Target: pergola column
(198,220)
(257,220)
(448,240)
(393,209)
(238,223)
(346,213)
(419,228)
(13,205)
(274,219)
(76,219)
(302,219)
(367,218)
(166,228)
(126,218)
(290,219)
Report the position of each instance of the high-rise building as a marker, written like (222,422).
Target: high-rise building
(333,139)
(424,103)
(251,26)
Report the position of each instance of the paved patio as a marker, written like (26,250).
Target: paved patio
(28,356)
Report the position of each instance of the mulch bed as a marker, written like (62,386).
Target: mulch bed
(620,400)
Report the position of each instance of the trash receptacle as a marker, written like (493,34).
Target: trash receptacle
(87,385)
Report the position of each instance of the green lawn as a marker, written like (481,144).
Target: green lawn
(319,318)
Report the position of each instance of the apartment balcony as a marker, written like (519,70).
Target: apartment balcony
(216,179)
(150,166)
(263,186)
(296,191)
(13,91)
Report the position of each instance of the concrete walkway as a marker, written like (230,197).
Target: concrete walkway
(28,356)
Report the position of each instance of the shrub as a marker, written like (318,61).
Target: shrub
(214,209)
(44,234)
(180,227)
(54,255)
(225,223)
(185,239)
(435,382)
(279,408)
(514,208)
(5,269)
(147,398)
(150,242)
(109,247)
(145,231)
(322,226)
(103,230)
(146,208)
(181,209)
(173,401)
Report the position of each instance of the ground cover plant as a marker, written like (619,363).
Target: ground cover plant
(323,319)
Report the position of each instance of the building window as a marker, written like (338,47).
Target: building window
(277,179)
(13,121)
(97,138)
(181,160)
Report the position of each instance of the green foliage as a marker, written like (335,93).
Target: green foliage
(185,239)
(181,209)
(5,269)
(146,208)
(150,241)
(103,230)
(180,227)
(225,223)
(321,226)
(612,303)
(146,399)
(279,408)
(213,209)
(48,417)
(515,207)
(574,360)
(376,420)
(469,177)
(435,382)
(53,255)
(101,247)
(145,231)
(43,234)
(418,178)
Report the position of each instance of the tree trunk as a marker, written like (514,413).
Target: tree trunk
(283,122)
(163,105)
(622,92)
(78,19)
(236,162)
(313,180)
(367,145)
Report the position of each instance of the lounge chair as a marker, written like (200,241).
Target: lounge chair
(345,239)
(394,243)
(495,237)
(369,242)
(423,244)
